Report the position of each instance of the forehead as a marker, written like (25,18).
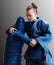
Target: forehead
(30,11)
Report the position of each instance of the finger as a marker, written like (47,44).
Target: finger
(46,59)
(32,45)
(14,28)
(10,31)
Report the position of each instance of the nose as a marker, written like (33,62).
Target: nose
(28,17)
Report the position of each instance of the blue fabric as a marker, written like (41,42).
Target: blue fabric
(17,35)
(13,48)
(40,31)
(35,62)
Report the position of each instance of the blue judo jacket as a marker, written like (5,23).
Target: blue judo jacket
(39,30)
(13,47)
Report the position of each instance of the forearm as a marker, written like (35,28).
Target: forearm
(17,35)
(44,41)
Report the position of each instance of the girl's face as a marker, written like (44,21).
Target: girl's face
(31,15)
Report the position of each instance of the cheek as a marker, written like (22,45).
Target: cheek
(33,16)
(28,17)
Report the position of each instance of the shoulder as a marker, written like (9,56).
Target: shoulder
(20,19)
(44,22)
(40,20)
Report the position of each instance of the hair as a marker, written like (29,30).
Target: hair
(34,6)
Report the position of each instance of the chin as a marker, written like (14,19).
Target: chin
(30,20)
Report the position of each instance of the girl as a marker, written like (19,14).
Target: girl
(39,35)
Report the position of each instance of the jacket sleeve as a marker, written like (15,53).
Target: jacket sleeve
(46,36)
(17,35)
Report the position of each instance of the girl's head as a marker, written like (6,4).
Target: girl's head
(31,12)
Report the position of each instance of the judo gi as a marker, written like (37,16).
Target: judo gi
(13,48)
(39,30)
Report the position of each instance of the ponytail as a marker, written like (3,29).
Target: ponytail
(34,6)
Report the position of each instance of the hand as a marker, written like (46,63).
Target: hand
(11,29)
(46,59)
(33,43)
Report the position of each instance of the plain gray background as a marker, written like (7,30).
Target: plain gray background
(11,9)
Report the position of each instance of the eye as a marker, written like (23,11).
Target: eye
(28,15)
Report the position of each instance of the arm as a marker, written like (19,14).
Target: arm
(46,36)
(17,35)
